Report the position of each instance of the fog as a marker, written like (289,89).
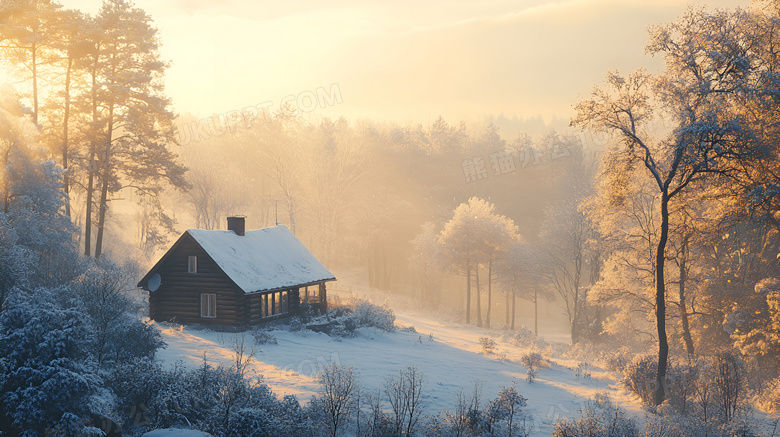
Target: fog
(577,194)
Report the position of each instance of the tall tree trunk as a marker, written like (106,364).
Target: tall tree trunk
(91,170)
(660,301)
(490,293)
(468,290)
(536,313)
(479,300)
(65,145)
(683,305)
(507,308)
(90,194)
(512,324)
(34,69)
(104,188)
(575,320)
(6,182)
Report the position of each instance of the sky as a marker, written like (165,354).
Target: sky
(400,60)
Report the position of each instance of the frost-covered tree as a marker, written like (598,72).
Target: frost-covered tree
(337,403)
(754,323)
(572,256)
(476,235)
(427,259)
(404,395)
(714,68)
(521,274)
(505,413)
(36,216)
(28,34)
(48,373)
(117,335)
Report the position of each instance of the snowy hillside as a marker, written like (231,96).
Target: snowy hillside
(449,355)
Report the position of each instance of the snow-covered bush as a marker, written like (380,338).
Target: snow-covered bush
(639,377)
(264,337)
(488,344)
(250,422)
(525,338)
(216,399)
(531,374)
(681,386)
(47,371)
(296,324)
(599,418)
(681,425)
(533,359)
(343,320)
(770,398)
(135,384)
(366,314)
(582,371)
(728,371)
(617,361)
(505,415)
(132,338)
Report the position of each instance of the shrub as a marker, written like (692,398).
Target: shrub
(523,337)
(44,349)
(639,377)
(488,344)
(730,383)
(344,320)
(335,405)
(600,418)
(618,361)
(505,412)
(533,359)
(582,371)
(263,337)
(770,399)
(133,339)
(531,374)
(367,314)
(296,324)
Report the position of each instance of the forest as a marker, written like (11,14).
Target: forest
(650,227)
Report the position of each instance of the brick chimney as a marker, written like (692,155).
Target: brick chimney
(236,224)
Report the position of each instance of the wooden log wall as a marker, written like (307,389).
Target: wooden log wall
(178,298)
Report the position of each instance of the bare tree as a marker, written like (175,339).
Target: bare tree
(405,397)
(101,289)
(338,400)
(520,274)
(567,236)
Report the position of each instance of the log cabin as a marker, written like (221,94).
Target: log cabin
(235,277)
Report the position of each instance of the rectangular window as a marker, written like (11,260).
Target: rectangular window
(277,303)
(208,305)
(285,303)
(192,264)
(264,306)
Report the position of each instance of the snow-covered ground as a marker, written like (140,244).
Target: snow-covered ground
(448,354)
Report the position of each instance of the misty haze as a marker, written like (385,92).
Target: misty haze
(344,218)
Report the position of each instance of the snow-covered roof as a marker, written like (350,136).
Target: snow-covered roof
(262,259)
